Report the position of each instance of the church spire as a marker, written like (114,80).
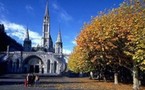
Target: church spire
(27,34)
(47,40)
(46,10)
(58,44)
(27,42)
(59,36)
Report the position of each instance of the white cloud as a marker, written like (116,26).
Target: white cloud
(17,34)
(55,6)
(3,10)
(14,29)
(19,31)
(66,51)
(63,14)
(74,42)
(29,8)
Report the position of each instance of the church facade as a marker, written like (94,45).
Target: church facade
(45,59)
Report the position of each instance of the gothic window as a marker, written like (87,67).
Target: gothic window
(10,63)
(44,39)
(55,66)
(17,63)
(48,66)
(59,50)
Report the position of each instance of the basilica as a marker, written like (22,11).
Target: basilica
(45,59)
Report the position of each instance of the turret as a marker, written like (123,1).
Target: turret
(27,42)
(58,44)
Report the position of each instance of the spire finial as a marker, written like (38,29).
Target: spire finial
(46,9)
(59,28)
(27,33)
(59,35)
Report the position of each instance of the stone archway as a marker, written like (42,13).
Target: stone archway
(33,64)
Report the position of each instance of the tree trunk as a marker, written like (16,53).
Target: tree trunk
(135,78)
(91,75)
(81,74)
(104,77)
(115,78)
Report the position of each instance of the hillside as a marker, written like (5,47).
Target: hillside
(6,40)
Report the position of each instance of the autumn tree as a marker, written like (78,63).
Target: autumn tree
(135,47)
(116,38)
(78,61)
(101,40)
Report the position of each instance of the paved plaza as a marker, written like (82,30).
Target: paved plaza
(16,82)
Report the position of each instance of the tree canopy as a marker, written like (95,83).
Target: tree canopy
(115,37)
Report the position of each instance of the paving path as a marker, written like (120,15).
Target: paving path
(16,82)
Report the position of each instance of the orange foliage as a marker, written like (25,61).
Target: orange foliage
(107,36)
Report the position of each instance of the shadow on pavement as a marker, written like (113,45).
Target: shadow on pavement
(41,82)
(10,82)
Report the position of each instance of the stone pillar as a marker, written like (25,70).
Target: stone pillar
(40,67)
(57,68)
(45,68)
(20,66)
(15,68)
(13,65)
(51,68)
(60,67)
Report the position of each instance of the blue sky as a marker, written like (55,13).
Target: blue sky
(69,15)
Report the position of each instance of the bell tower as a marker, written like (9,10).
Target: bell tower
(46,38)
(58,44)
(27,42)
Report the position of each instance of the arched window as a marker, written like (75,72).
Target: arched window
(48,66)
(55,66)
(17,64)
(10,63)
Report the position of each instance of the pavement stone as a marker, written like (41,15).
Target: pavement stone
(16,82)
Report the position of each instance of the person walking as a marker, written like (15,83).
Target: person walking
(32,79)
(36,80)
(27,80)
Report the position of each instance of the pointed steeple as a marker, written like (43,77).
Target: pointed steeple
(59,44)
(46,38)
(27,34)
(59,37)
(46,10)
(27,42)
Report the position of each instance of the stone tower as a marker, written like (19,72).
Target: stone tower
(27,42)
(58,44)
(47,42)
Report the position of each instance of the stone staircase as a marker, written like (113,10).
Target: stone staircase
(22,76)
